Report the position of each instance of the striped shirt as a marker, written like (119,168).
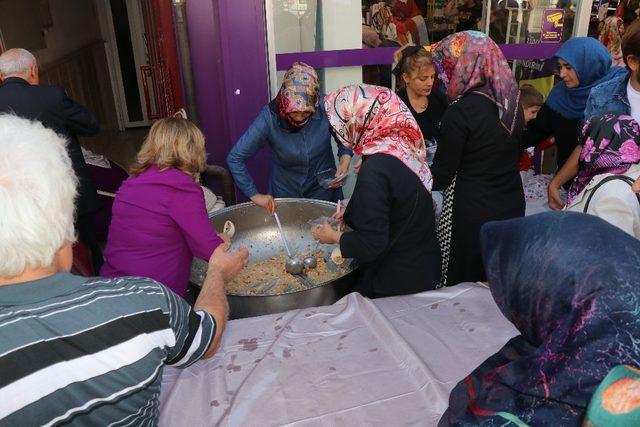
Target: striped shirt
(91,351)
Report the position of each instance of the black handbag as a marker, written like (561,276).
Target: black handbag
(624,178)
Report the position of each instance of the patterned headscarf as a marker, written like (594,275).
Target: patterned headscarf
(470,62)
(569,283)
(611,37)
(372,119)
(609,145)
(380,17)
(298,93)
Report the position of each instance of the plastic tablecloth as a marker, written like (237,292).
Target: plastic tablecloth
(358,362)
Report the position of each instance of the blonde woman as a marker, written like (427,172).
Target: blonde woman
(418,73)
(159,220)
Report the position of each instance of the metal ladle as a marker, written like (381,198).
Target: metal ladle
(294,265)
(311,261)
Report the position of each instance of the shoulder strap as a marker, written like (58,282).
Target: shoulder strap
(624,178)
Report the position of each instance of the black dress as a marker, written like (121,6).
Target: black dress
(429,120)
(394,234)
(549,123)
(480,154)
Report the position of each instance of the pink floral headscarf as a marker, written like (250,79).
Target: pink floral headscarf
(372,119)
(299,92)
(610,144)
(470,62)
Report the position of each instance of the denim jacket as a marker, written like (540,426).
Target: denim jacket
(297,156)
(609,96)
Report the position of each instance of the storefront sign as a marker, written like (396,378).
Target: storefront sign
(552,25)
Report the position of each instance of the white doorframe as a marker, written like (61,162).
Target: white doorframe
(1,41)
(140,57)
(134,12)
(271,48)
(106,29)
(582,17)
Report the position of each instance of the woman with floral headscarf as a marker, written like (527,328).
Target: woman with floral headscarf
(391,211)
(610,147)
(295,127)
(611,37)
(477,157)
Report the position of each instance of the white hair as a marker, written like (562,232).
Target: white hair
(37,192)
(16,61)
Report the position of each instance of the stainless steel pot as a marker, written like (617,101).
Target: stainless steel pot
(258,231)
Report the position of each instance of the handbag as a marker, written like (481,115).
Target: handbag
(624,178)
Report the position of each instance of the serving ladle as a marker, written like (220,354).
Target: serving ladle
(293,265)
(311,261)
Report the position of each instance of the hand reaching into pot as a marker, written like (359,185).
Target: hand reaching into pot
(326,234)
(265,201)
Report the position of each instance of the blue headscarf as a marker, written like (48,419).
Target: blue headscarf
(592,62)
(569,282)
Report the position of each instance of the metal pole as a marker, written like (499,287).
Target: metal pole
(487,17)
(179,7)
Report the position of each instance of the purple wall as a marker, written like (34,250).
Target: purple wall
(206,58)
(228,52)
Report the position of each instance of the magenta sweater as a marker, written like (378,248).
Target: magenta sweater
(159,224)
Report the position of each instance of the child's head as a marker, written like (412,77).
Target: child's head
(173,142)
(531,101)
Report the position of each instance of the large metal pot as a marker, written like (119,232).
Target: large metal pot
(257,230)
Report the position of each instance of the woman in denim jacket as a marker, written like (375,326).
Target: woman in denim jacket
(295,127)
(615,95)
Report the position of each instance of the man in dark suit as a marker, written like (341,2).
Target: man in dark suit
(21,94)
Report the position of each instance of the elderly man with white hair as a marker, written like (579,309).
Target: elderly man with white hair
(21,94)
(75,350)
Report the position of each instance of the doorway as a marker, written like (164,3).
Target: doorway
(122,25)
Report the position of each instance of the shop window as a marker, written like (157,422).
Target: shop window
(537,21)
(428,21)
(317,25)
(334,25)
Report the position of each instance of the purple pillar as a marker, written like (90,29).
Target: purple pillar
(229,57)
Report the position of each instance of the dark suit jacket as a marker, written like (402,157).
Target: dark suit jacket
(54,109)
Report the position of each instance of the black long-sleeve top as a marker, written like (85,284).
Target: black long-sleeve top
(429,120)
(476,147)
(398,252)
